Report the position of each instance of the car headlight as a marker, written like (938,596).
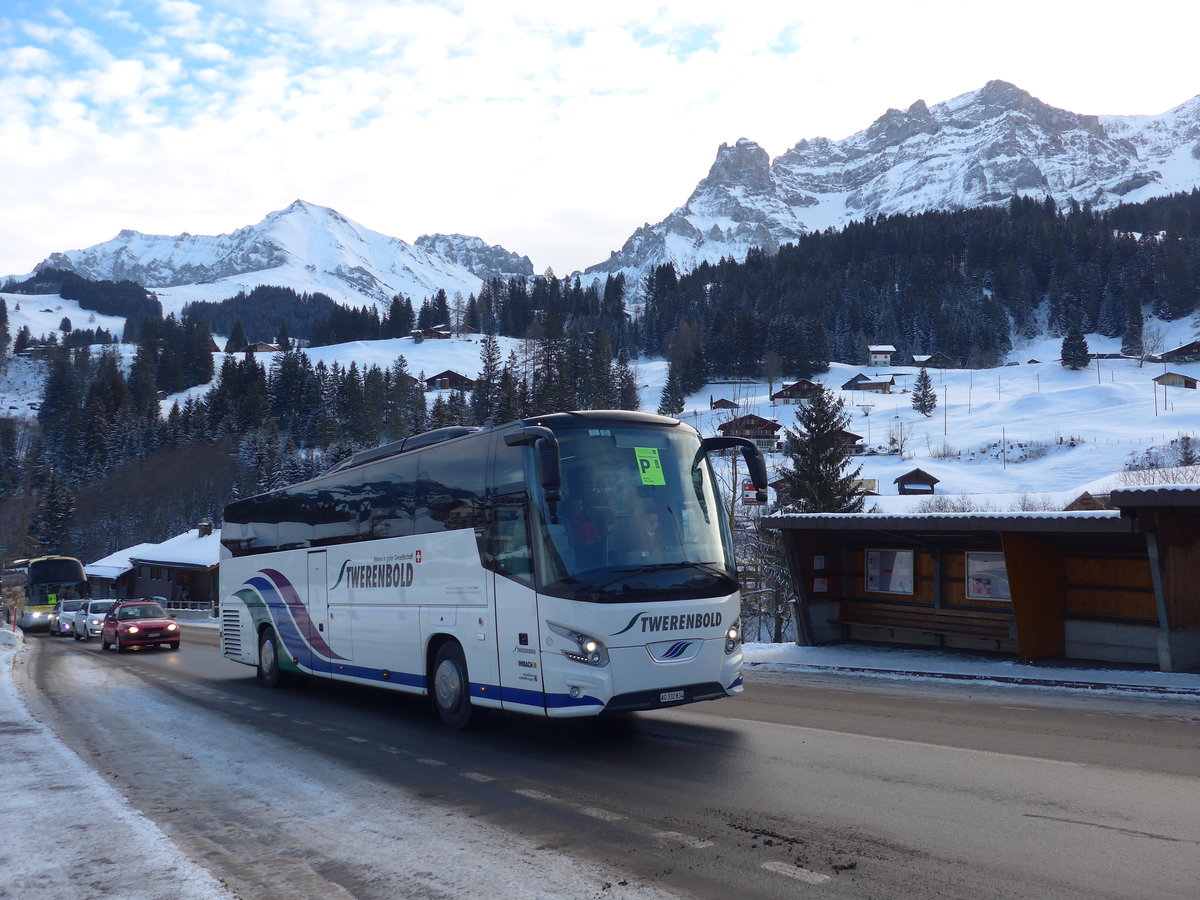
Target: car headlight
(587,649)
(172,627)
(733,636)
(132,629)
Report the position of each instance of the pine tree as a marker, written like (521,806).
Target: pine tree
(924,397)
(819,478)
(671,403)
(237,338)
(627,386)
(485,396)
(1075,349)
(50,528)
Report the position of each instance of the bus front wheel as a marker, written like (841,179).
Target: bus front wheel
(268,658)
(451,689)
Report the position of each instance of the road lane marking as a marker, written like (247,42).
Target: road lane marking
(532,794)
(426,761)
(685,839)
(603,814)
(798,872)
(478,776)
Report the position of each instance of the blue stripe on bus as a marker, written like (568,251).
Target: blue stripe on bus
(520,696)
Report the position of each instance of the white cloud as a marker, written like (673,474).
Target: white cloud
(210,51)
(547,126)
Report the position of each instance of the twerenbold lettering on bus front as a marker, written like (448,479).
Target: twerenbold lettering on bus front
(679,623)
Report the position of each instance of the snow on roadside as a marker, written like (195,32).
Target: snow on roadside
(62,826)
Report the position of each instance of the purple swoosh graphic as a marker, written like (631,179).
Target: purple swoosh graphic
(300,615)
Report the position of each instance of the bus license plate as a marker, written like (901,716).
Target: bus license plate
(670,696)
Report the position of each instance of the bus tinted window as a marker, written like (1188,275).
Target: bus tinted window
(451,486)
(389,496)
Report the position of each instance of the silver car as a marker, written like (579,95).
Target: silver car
(90,619)
(60,617)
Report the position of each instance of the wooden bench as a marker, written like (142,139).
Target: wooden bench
(928,620)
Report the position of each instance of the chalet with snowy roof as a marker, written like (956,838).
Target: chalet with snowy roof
(1189,352)
(762,431)
(182,570)
(1108,585)
(259,347)
(918,481)
(880,354)
(934,361)
(113,575)
(449,381)
(799,392)
(1175,380)
(870,385)
(721,403)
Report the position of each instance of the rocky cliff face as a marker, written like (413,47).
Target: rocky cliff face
(485,261)
(974,150)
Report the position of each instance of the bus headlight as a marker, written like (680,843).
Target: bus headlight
(733,636)
(586,649)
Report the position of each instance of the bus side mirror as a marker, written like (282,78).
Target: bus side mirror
(545,447)
(755,463)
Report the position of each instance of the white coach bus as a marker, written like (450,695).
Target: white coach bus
(564,565)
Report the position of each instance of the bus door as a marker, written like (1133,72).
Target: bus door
(510,581)
(318,611)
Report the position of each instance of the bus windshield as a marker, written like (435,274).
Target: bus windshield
(640,517)
(56,570)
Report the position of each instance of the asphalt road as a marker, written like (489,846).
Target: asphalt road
(813,786)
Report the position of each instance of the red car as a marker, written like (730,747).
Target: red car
(138,623)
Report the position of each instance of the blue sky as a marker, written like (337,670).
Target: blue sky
(553,128)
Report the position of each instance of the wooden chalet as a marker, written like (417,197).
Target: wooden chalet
(259,347)
(801,391)
(762,431)
(1189,352)
(918,481)
(1175,380)
(449,381)
(1110,585)
(872,385)
(935,361)
(721,403)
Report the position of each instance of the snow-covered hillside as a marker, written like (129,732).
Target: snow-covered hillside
(1026,428)
(977,149)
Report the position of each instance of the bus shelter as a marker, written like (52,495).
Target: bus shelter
(1105,585)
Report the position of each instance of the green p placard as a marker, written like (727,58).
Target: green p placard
(649,465)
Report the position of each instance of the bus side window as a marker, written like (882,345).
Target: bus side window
(506,544)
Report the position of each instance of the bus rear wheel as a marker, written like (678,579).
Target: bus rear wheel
(451,689)
(268,658)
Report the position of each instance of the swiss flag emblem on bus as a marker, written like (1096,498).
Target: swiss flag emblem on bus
(417,556)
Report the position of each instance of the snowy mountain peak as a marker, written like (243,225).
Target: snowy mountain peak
(976,149)
(304,246)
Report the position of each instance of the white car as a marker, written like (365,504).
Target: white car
(90,619)
(60,617)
